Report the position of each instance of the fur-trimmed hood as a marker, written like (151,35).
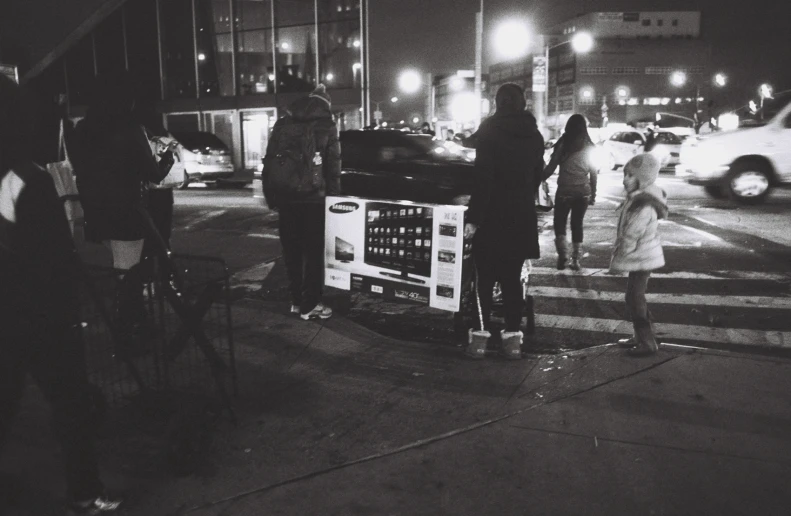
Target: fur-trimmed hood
(650,196)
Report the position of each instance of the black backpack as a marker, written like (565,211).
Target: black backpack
(291,170)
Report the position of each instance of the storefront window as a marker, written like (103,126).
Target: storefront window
(178,52)
(339,48)
(296,52)
(255,72)
(255,133)
(182,122)
(215,50)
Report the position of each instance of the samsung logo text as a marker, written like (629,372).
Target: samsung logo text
(344,207)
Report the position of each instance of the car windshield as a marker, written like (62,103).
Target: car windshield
(200,141)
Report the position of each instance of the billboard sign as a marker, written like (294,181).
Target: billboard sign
(539,73)
(399,250)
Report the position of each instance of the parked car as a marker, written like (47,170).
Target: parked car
(412,167)
(744,164)
(204,157)
(621,146)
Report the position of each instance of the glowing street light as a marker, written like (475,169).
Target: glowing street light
(409,81)
(678,78)
(415,119)
(393,99)
(511,39)
(720,79)
(765,91)
(582,42)
(330,76)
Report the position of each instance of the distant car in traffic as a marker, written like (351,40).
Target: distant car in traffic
(204,157)
(744,164)
(411,167)
(621,146)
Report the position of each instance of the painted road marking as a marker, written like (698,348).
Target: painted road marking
(263,235)
(711,275)
(203,217)
(734,336)
(705,234)
(783,303)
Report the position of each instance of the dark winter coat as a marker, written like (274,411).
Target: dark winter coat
(508,166)
(326,142)
(113,164)
(38,262)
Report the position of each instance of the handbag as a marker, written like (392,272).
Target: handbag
(543,199)
(62,173)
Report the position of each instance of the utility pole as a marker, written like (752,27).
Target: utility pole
(478,63)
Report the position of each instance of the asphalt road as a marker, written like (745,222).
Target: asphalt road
(727,282)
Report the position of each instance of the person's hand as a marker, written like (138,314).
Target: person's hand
(469,230)
(592,201)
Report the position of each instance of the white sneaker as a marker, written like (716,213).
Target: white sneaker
(319,312)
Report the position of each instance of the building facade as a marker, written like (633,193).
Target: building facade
(628,75)
(223,66)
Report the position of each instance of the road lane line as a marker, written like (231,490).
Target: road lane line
(733,336)
(710,275)
(263,235)
(783,303)
(208,215)
(705,234)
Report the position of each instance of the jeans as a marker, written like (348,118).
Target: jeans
(577,206)
(53,354)
(302,238)
(637,308)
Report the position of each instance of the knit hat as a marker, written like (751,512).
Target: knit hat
(643,167)
(321,93)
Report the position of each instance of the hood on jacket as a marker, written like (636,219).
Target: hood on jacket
(650,196)
(310,108)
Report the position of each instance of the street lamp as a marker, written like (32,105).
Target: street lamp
(378,112)
(720,79)
(511,39)
(409,81)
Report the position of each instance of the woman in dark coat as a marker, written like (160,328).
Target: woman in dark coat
(114,164)
(502,214)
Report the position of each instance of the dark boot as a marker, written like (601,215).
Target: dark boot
(562,248)
(576,252)
(130,315)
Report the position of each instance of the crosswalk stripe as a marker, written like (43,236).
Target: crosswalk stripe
(712,275)
(675,299)
(733,336)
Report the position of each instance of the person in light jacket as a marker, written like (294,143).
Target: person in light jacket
(638,250)
(575,154)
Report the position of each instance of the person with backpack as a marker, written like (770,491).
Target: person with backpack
(575,154)
(301,167)
(40,319)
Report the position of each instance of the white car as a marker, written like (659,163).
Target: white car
(744,164)
(621,146)
(204,156)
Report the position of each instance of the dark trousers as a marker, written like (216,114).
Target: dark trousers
(302,238)
(160,208)
(577,206)
(53,354)
(637,308)
(508,272)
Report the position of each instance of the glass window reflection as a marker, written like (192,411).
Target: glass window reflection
(296,52)
(178,51)
(215,52)
(254,68)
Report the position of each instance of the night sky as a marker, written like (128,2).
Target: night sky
(750,38)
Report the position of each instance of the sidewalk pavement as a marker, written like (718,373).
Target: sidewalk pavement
(336,419)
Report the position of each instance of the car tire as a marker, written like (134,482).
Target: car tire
(715,191)
(186,181)
(748,183)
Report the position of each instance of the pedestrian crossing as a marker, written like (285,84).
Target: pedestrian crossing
(715,308)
